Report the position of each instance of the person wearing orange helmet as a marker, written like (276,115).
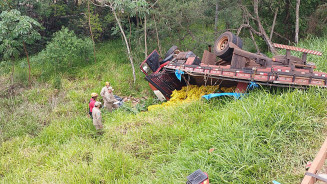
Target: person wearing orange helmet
(104,94)
(93,99)
(108,97)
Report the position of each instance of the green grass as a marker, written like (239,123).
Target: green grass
(46,136)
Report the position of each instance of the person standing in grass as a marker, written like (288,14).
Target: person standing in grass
(104,94)
(93,99)
(96,113)
(110,99)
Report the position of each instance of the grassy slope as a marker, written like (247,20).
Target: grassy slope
(265,136)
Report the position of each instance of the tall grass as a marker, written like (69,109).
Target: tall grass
(318,44)
(256,139)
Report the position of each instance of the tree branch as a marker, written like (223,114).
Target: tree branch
(261,29)
(254,42)
(90,26)
(283,37)
(247,13)
(153,4)
(247,26)
(111,6)
(273,25)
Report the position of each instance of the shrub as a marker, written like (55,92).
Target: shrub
(66,51)
(57,82)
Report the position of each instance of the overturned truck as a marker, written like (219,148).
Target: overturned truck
(229,65)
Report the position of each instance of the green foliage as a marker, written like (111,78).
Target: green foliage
(57,82)
(21,76)
(285,22)
(317,23)
(130,7)
(187,24)
(66,51)
(96,26)
(318,44)
(15,30)
(47,132)
(96,23)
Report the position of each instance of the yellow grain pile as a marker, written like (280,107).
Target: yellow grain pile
(188,94)
(228,90)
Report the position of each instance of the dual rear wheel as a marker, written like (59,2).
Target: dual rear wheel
(221,47)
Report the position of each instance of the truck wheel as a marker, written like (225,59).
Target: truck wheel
(170,51)
(222,48)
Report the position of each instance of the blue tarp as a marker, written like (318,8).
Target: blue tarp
(251,86)
(213,95)
(120,100)
(178,74)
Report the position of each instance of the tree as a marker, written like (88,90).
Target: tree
(89,17)
(261,29)
(132,7)
(216,18)
(16,31)
(247,16)
(297,21)
(66,51)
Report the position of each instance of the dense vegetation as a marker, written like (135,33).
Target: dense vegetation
(47,137)
(270,134)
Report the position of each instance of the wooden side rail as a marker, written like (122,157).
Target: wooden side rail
(287,47)
(318,162)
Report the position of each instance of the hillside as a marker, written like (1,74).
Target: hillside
(46,136)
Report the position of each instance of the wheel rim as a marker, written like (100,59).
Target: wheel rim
(223,43)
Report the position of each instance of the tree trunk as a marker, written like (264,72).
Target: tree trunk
(216,19)
(287,21)
(273,25)
(130,31)
(297,21)
(158,41)
(254,42)
(88,9)
(137,20)
(145,44)
(29,66)
(126,42)
(261,29)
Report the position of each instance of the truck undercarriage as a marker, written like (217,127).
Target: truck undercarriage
(229,65)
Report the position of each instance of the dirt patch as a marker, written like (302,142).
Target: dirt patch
(123,129)
(11,90)
(7,89)
(133,100)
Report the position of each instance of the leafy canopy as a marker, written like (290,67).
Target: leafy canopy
(15,30)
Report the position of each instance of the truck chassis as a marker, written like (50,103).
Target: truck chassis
(229,65)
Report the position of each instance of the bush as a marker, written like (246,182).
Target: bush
(57,82)
(66,51)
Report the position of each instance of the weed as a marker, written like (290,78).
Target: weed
(21,76)
(57,82)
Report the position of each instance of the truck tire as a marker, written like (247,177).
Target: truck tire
(222,48)
(170,51)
